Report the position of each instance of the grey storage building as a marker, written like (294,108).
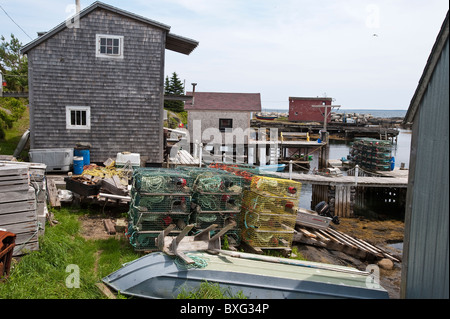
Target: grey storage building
(425,267)
(99,79)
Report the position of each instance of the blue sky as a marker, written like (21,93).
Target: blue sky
(364,54)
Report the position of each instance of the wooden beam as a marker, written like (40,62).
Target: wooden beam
(109,226)
(106,291)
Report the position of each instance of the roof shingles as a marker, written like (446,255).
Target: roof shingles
(250,102)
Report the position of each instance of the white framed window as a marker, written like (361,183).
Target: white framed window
(78,117)
(109,46)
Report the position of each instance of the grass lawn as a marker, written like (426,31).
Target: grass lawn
(49,272)
(12,136)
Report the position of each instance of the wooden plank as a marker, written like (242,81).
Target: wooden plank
(24,248)
(6,208)
(13,188)
(53,194)
(23,227)
(307,233)
(12,170)
(109,226)
(14,179)
(21,217)
(354,241)
(106,291)
(15,196)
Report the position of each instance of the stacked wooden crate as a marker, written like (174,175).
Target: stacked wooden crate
(18,207)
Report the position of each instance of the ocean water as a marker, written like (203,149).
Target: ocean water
(339,149)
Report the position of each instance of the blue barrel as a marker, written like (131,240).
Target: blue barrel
(392,163)
(78,162)
(83,152)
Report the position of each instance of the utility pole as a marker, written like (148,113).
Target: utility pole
(326,114)
(325,151)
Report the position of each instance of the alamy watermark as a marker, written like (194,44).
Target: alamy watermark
(229,144)
(373,279)
(73,279)
(373,17)
(73,18)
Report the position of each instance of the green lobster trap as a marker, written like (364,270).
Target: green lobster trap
(203,220)
(270,204)
(161,181)
(161,203)
(209,180)
(230,238)
(217,202)
(158,221)
(372,154)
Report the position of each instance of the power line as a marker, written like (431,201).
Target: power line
(15,22)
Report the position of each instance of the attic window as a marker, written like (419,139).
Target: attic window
(109,46)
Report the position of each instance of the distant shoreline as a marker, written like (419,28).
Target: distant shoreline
(374,112)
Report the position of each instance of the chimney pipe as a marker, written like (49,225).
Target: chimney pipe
(193,92)
(77,3)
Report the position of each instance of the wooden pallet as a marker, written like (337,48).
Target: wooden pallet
(335,240)
(18,207)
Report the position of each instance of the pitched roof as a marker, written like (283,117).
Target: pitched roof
(173,42)
(432,61)
(224,101)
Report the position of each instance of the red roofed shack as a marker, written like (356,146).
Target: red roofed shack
(301,109)
(221,111)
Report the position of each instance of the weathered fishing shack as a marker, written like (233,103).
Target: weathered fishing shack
(98,78)
(425,269)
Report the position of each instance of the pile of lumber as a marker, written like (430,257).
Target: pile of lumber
(335,240)
(22,203)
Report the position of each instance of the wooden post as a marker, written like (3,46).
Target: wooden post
(290,169)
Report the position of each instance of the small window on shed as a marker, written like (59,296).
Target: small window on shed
(78,117)
(225,123)
(109,46)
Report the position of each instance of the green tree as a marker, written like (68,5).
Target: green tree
(13,64)
(174,86)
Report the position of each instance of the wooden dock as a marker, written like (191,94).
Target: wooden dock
(184,158)
(342,193)
(347,180)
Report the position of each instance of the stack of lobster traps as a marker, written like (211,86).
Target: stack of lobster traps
(269,207)
(372,154)
(216,199)
(159,197)
(269,212)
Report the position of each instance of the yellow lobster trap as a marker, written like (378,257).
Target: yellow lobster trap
(270,204)
(267,239)
(276,186)
(267,221)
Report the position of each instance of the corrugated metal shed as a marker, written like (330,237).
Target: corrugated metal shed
(425,269)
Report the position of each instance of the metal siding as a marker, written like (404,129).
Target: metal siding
(428,250)
(124,94)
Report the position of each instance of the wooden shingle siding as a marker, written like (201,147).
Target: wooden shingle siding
(125,96)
